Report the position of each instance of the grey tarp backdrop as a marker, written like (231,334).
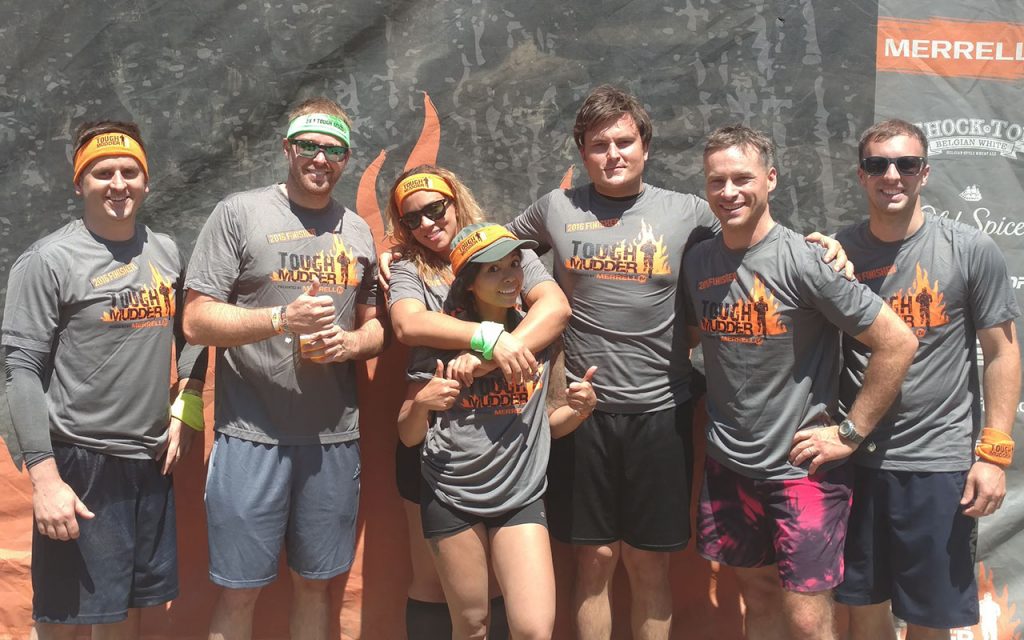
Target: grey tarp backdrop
(210,83)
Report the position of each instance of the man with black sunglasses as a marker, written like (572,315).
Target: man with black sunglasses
(919,490)
(283,281)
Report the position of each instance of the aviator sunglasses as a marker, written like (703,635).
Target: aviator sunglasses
(435,211)
(906,165)
(307,149)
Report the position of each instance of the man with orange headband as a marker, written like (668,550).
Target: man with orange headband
(283,281)
(88,328)
(936,465)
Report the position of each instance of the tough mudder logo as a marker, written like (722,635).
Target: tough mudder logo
(750,319)
(112,140)
(921,306)
(335,268)
(637,259)
(500,398)
(974,137)
(148,306)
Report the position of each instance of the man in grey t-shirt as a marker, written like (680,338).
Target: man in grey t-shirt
(283,282)
(918,493)
(88,328)
(620,485)
(768,315)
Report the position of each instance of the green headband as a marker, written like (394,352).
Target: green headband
(319,123)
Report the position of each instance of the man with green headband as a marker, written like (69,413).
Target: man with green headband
(283,282)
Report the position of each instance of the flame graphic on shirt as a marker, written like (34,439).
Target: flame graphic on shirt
(653,252)
(636,259)
(766,309)
(931,308)
(923,305)
(750,319)
(151,302)
(335,268)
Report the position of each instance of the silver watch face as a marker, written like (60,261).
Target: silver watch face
(847,431)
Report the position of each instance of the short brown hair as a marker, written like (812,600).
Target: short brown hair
(319,105)
(741,136)
(888,129)
(89,130)
(607,102)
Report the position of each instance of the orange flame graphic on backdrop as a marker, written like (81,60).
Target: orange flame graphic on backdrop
(773,323)
(566,182)
(423,152)
(996,609)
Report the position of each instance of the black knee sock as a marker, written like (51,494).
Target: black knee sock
(499,622)
(427,620)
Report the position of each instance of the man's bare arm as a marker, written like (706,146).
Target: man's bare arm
(892,347)
(213,322)
(986,481)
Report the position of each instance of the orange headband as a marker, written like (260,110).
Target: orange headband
(476,242)
(421,182)
(113,143)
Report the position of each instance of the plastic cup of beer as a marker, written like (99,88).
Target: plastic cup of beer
(305,340)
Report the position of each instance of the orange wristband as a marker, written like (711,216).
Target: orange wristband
(995,446)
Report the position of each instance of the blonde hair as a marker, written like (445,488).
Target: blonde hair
(429,264)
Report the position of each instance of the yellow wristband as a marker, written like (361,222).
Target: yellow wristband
(995,446)
(188,407)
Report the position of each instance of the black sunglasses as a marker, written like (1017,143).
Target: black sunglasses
(906,165)
(435,211)
(307,149)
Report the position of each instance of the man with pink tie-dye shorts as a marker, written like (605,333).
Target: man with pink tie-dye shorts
(769,316)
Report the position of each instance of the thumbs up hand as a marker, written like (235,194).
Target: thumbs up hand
(440,393)
(310,312)
(580,395)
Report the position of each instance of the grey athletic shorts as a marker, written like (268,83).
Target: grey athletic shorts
(259,496)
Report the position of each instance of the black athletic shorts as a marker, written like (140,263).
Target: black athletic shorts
(440,520)
(407,471)
(624,477)
(909,541)
(124,558)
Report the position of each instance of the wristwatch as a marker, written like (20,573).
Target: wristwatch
(848,432)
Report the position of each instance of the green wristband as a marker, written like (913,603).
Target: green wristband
(188,407)
(476,343)
(491,333)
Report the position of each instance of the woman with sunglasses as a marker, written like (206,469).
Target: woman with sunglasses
(485,447)
(427,207)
